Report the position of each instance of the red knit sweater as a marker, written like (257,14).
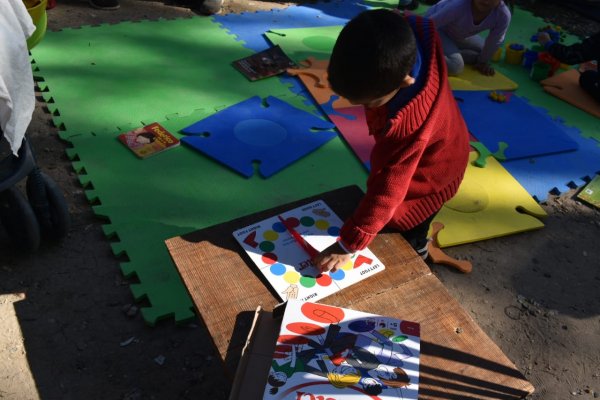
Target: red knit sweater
(420,155)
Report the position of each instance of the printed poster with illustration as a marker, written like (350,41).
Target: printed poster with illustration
(288,267)
(331,353)
(148,140)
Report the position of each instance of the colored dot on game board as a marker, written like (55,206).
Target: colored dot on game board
(322,224)
(337,275)
(386,332)
(362,325)
(291,277)
(308,281)
(269,258)
(293,222)
(400,338)
(324,280)
(333,231)
(278,269)
(348,266)
(278,227)
(307,221)
(271,235)
(266,246)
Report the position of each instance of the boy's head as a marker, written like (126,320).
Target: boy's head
(372,58)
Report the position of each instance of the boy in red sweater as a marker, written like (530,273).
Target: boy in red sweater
(394,66)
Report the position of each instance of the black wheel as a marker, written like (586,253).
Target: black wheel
(49,205)
(19,220)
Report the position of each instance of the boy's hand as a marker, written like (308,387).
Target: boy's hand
(331,258)
(543,38)
(485,69)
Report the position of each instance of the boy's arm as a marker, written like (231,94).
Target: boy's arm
(386,190)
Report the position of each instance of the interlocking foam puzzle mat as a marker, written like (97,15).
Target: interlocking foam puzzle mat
(272,133)
(557,173)
(176,191)
(490,203)
(566,86)
(471,79)
(179,190)
(527,131)
(117,77)
(134,71)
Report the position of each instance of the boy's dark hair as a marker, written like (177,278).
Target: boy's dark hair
(372,55)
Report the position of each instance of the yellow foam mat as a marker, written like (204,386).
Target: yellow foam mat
(490,203)
(471,79)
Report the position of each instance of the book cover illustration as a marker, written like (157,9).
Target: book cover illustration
(266,63)
(148,140)
(326,352)
(287,265)
(591,192)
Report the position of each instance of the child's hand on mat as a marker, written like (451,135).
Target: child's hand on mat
(331,258)
(485,69)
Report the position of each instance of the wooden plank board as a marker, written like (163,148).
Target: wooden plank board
(458,358)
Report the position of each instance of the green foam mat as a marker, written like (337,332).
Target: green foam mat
(101,77)
(103,80)
(181,190)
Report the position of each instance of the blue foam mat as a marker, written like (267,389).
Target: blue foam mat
(557,173)
(275,134)
(527,131)
(250,27)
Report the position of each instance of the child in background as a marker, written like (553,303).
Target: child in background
(459,23)
(587,50)
(394,66)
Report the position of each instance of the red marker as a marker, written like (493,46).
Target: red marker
(312,252)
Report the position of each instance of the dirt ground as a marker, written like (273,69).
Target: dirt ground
(69,330)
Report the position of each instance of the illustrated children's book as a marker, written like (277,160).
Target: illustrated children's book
(282,247)
(266,63)
(591,192)
(333,353)
(148,140)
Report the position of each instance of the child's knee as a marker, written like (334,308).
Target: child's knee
(455,64)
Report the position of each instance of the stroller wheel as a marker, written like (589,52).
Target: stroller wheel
(19,220)
(48,204)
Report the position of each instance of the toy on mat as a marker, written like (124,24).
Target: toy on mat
(539,71)
(530,57)
(514,53)
(551,61)
(555,32)
(499,97)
